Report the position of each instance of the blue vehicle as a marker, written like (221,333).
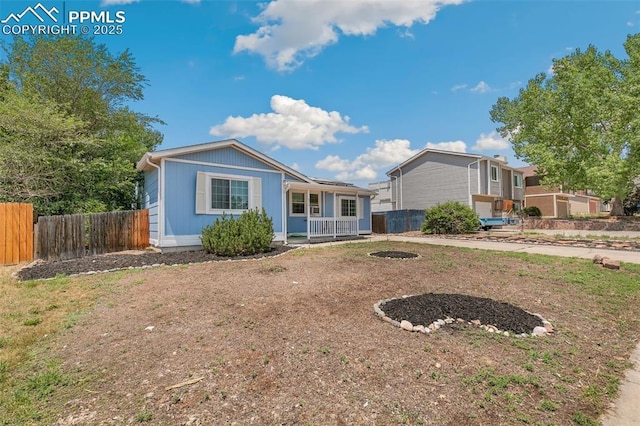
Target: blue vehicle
(487,223)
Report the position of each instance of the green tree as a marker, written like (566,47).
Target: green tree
(580,125)
(34,137)
(83,82)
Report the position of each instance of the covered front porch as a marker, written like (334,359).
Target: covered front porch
(326,211)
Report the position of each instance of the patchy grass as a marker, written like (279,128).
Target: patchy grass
(32,313)
(313,352)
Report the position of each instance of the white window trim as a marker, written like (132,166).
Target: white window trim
(497,179)
(305,204)
(248,179)
(515,181)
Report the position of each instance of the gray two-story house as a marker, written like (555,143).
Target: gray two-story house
(486,184)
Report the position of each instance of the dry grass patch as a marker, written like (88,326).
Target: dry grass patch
(294,340)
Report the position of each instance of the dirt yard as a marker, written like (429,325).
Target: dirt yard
(293,340)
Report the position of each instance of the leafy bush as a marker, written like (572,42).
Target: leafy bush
(532,211)
(451,217)
(250,233)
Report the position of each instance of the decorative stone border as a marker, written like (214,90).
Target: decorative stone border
(545,330)
(416,257)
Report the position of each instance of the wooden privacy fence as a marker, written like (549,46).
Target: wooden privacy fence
(16,233)
(77,235)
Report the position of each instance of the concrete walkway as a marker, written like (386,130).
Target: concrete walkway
(626,409)
(563,251)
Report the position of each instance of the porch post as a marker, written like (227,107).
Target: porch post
(307,208)
(357,214)
(335,214)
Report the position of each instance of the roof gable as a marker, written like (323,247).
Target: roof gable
(472,157)
(434,151)
(188,152)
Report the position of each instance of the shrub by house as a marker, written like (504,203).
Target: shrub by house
(250,233)
(451,217)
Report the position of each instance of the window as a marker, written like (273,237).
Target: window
(348,207)
(217,194)
(532,181)
(229,194)
(494,173)
(517,181)
(314,201)
(298,203)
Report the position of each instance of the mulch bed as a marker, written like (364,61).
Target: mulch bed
(394,254)
(117,261)
(427,308)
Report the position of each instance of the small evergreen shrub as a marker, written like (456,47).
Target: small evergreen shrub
(532,211)
(250,233)
(451,217)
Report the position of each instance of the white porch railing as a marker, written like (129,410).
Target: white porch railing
(332,226)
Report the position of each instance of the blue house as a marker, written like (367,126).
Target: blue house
(187,188)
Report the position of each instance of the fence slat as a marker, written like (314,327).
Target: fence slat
(29,232)
(3,233)
(14,237)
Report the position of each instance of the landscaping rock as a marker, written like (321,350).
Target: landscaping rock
(539,331)
(610,263)
(406,325)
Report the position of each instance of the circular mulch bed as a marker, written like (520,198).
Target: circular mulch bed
(117,261)
(395,254)
(435,308)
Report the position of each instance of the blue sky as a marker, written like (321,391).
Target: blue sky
(346,89)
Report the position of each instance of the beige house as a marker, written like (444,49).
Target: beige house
(557,202)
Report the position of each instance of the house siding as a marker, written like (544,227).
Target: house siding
(435,178)
(364,224)
(150,201)
(180,218)
(229,155)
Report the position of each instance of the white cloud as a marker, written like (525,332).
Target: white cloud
(191,1)
(291,30)
(458,87)
(293,124)
(295,166)
(491,141)
(481,87)
(550,70)
(406,33)
(384,154)
(455,146)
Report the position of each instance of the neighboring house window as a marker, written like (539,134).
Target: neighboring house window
(494,173)
(517,181)
(218,194)
(298,203)
(532,181)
